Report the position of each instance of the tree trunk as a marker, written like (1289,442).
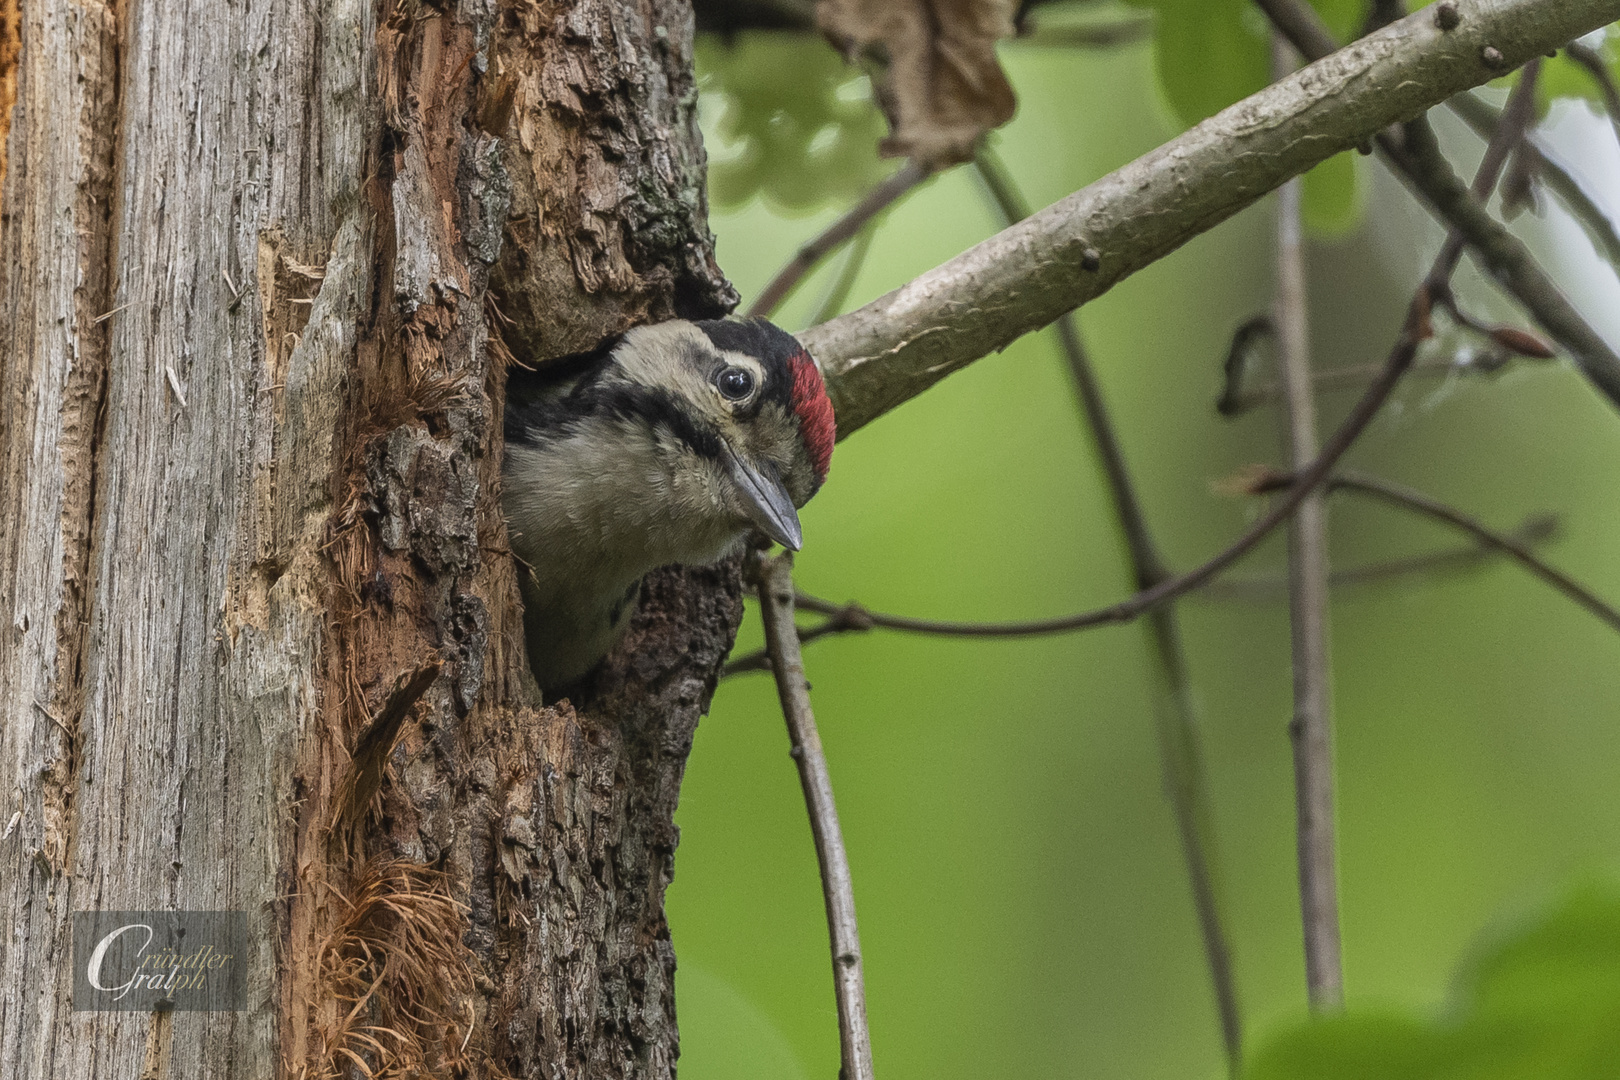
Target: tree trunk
(261,267)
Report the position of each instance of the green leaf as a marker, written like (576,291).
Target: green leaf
(798,125)
(1562,77)
(1211,53)
(1540,1002)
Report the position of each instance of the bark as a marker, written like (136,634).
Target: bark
(260,269)
(261,647)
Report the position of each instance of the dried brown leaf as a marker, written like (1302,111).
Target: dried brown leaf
(940,83)
(1251,480)
(1522,342)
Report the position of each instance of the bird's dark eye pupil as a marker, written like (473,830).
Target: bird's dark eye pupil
(735,383)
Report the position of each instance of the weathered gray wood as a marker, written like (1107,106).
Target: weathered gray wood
(250,405)
(235,511)
(162,583)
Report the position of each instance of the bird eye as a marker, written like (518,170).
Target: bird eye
(734,383)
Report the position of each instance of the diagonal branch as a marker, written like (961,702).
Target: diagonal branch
(775,579)
(1075,250)
(1418,159)
(1483,118)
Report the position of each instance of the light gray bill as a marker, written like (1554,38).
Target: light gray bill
(767,501)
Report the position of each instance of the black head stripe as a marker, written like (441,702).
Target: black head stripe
(658,407)
(542,410)
(539,399)
(765,342)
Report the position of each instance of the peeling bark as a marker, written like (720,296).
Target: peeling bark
(262,647)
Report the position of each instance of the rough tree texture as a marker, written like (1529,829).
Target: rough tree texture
(260,646)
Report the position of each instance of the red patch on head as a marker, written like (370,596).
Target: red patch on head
(815,412)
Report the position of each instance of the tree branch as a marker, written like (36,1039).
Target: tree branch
(1181,755)
(1311,731)
(1592,61)
(1418,159)
(1026,276)
(1483,118)
(1516,548)
(775,579)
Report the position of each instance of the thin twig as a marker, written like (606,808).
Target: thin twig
(833,302)
(1517,548)
(877,200)
(1536,529)
(1600,228)
(1311,730)
(1090,35)
(1407,499)
(1180,749)
(1418,159)
(775,580)
(1590,59)
(854,618)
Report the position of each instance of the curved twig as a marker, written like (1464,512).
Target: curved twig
(1517,549)
(1517,545)
(1535,529)
(1593,62)
(879,199)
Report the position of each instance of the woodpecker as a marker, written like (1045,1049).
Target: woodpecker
(669,444)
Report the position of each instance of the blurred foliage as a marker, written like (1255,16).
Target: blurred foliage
(1543,1003)
(800,123)
(1562,77)
(1024,907)
(1214,52)
(804,131)
(1211,53)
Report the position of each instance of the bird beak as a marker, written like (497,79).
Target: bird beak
(767,501)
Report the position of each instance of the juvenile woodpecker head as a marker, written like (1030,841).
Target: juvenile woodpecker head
(668,445)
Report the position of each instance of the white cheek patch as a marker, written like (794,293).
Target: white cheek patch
(651,356)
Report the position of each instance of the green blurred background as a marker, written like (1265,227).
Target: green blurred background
(1024,909)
